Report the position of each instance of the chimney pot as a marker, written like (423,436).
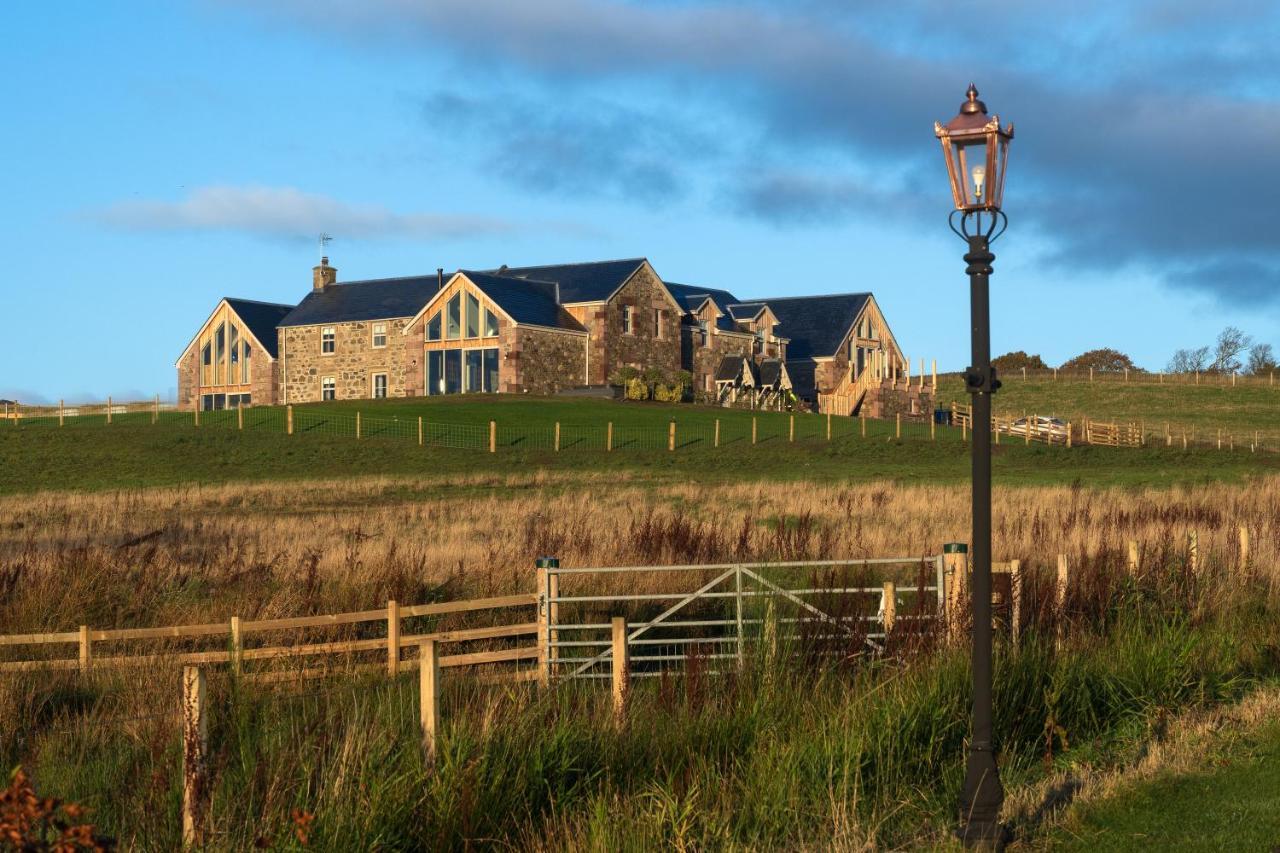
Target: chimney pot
(323,275)
(439,278)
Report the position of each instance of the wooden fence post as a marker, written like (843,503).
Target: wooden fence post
(791,429)
(608,436)
(155,411)
(288,420)
(921,384)
(429,697)
(60,412)
(1024,373)
(889,608)
(753,429)
(86,649)
(541,566)
(955,564)
(1193,551)
(557,438)
(1244,546)
(195,746)
(237,646)
(621,669)
(671,435)
(393,637)
(357,426)
(862,416)
(108,410)
(240,416)
(935,374)
(897,425)
(1133,557)
(493,436)
(1126,374)
(195,412)
(1068,433)
(828,425)
(419,430)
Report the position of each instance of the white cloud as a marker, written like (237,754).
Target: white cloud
(287,213)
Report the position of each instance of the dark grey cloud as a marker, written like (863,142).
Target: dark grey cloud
(1241,282)
(596,149)
(1146,131)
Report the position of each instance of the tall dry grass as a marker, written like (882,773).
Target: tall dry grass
(168,556)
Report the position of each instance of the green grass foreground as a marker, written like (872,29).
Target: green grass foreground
(818,757)
(87,454)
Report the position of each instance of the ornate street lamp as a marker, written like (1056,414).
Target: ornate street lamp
(976,149)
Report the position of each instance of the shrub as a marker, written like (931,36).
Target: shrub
(1105,360)
(637,389)
(623,375)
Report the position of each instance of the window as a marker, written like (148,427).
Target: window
(657,322)
(706,334)
(453,371)
(474,374)
(244,363)
(328,336)
(626,319)
(220,355)
(435,371)
(433,327)
(379,386)
(453,317)
(491,370)
(473,316)
(379,335)
(328,388)
(233,372)
(206,359)
(490,324)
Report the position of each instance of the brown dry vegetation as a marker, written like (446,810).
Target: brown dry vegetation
(169,556)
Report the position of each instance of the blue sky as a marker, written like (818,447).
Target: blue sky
(160,155)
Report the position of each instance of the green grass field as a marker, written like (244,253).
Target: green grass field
(1203,408)
(132,452)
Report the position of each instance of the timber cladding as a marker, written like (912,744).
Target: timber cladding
(352,364)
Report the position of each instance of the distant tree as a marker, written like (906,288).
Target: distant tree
(1013,361)
(1261,359)
(1105,360)
(1227,349)
(1189,360)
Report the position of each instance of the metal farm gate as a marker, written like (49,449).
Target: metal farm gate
(713,613)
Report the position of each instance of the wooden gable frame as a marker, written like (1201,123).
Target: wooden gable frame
(208,323)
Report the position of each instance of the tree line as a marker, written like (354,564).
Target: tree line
(1232,352)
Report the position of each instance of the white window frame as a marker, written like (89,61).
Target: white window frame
(329,335)
(373,386)
(374,335)
(628,326)
(332,383)
(657,323)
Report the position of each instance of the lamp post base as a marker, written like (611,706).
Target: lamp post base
(980,802)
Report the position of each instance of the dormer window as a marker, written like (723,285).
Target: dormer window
(706,334)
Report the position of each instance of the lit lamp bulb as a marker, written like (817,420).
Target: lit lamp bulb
(979,174)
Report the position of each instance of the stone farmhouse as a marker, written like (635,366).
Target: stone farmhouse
(545,330)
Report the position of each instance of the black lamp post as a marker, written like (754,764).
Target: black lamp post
(976,148)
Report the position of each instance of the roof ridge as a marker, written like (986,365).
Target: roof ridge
(814,296)
(289,305)
(380,280)
(511,278)
(572,264)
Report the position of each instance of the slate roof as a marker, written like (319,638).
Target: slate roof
(527,300)
(691,296)
(744,310)
(375,299)
(594,281)
(815,324)
(261,318)
(730,369)
(771,372)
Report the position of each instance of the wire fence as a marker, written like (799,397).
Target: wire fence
(1135,376)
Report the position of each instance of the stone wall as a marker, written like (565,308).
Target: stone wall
(352,364)
(595,319)
(540,361)
(912,402)
(645,293)
(704,361)
(189,378)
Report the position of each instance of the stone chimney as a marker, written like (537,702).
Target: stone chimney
(323,275)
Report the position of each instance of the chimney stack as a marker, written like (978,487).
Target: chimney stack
(439,278)
(323,275)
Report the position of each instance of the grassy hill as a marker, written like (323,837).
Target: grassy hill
(1201,408)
